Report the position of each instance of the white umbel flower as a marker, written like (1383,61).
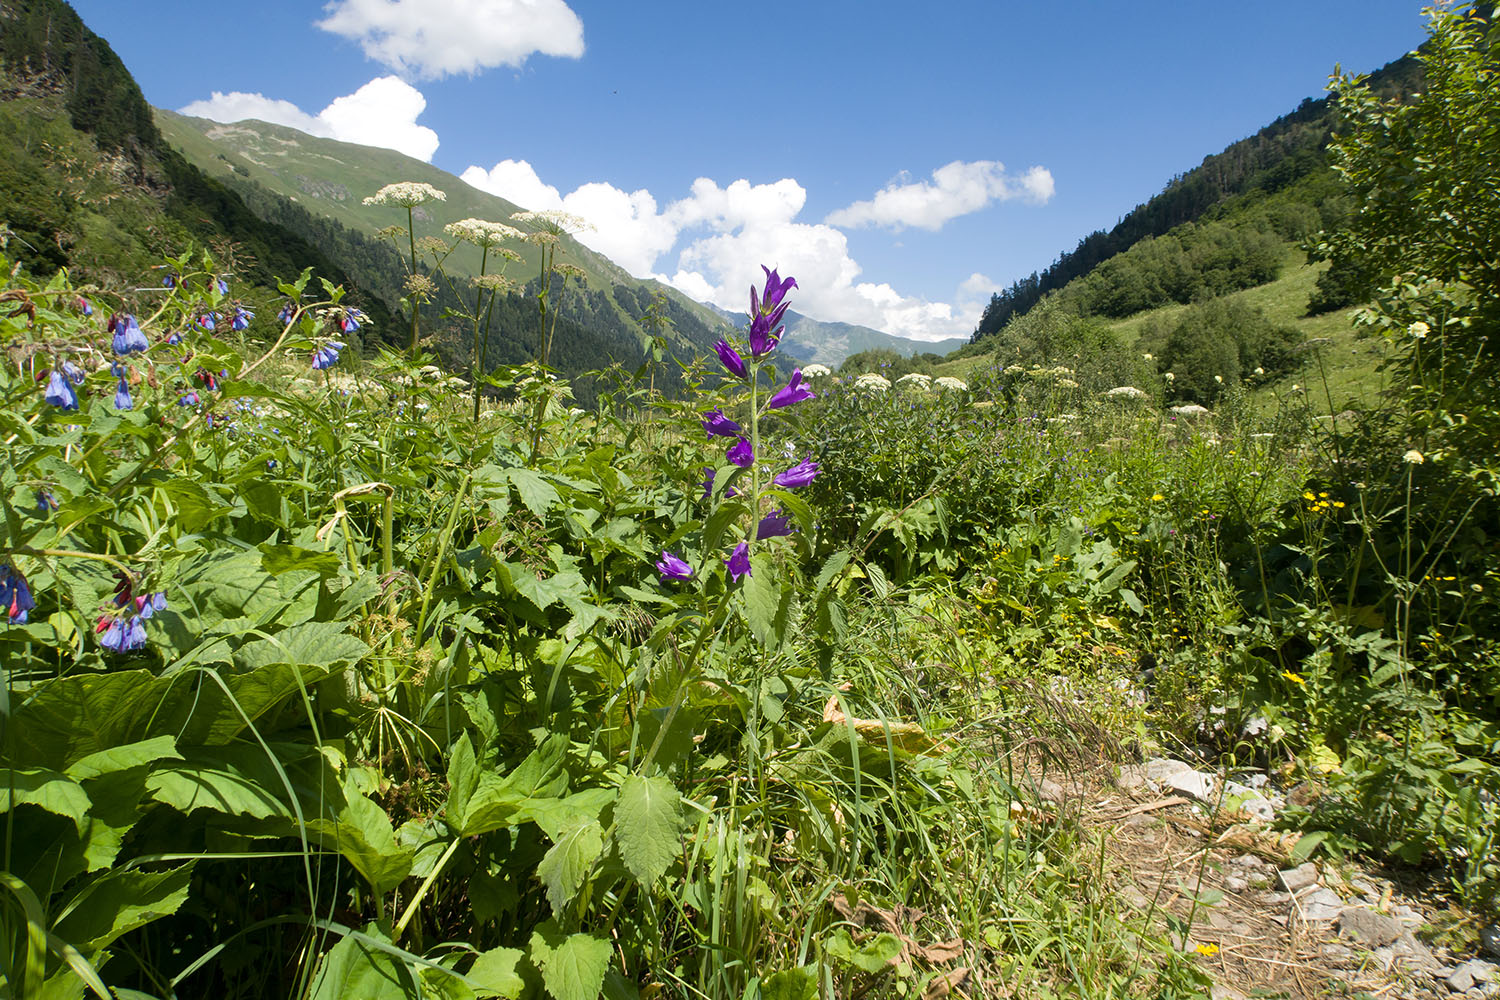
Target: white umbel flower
(870,380)
(406,194)
(1125,392)
(949,382)
(1413,457)
(482,233)
(915,380)
(816,371)
(555,219)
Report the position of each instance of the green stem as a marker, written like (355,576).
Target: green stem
(442,554)
(411,237)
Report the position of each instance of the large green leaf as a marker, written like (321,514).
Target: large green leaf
(320,644)
(648,826)
(496,801)
(495,973)
(121,758)
(768,600)
(573,965)
(120,901)
(363,834)
(49,790)
(791,984)
(568,861)
(871,956)
(357,969)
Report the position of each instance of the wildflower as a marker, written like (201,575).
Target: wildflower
(766,311)
(708,484)
(718,425)
(122,396)
(1207,950)
(798,475)
(915,380)
(174,338)
(45,502)
(871,380)
(60,391)
(739,561)
(406,194)
(949,382)
(75,374)
(1419,330)
(221,286)
(128,338)
(170,281)
(731,359)
(1413,457)
(776,289)
(673,568)
(554,219)
(327,355)
(190,398)
(741,453)
(792,392)
(241,318)
(1260,371)
(15,595)
(481,233)
(208,321)
(1157,498)
(1219,379)
(207,379)
(817,371)
(288,310)
(763,339)
(1294,678)
(773,525)
(1169,377)
(82,305)
(350,321)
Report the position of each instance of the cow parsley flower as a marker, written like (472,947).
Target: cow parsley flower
(481,233)
(406,194)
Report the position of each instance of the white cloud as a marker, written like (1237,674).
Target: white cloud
(438,38)
(957,189)
(730,231)
(382,113)
(978,284)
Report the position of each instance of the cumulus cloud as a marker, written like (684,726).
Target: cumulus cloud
(438,38)
(727,233)
(382,113)
(956,189)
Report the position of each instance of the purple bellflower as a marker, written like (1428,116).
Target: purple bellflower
(15,595)
(708,484)
(351,321)
(60,392)
(798,475)
(672,568)
(741,453)
(122,396)
(222,286)
(45,502)
(327,356)
(719,425)
(793,392)
(731,359)
(288,310)
(241,318)
(738,562)
(208,321)
(773,525)
(128,338)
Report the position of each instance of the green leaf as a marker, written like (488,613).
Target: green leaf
(364,836)
(277,559)
(568,862)
(573,966)
(196,507)
(495,973)
(320,644)
(791,984)
(536,492)
(872,956)
(768,600)
(49,790)
(354,968)
(648,826)
(496,801)
(113,759)
(119,902)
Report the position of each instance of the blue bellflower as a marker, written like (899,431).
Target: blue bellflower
(741,453)
(672,568)
(738,562)
(719,425)
(15,595)
(128,338)
(60,392)
(793,392)
(122,396)
(798,475)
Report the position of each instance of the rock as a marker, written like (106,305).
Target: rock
(1321,906)
(1368,928)
(1051,791)
(1461,980)
(1409,951)
(1301,877)
(1222,991)
(1489,940)
(1336,952)
(1131,777)
(1249,801)
(1248,861)
(1482,971)
(1193,784)
(1236,883)
(1276,898)
(1162,768)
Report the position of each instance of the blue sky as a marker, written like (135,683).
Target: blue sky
(901,160)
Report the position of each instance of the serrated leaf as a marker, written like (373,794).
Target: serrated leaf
(648,826)
(568,861)
(573,965)
(768,600)
(120,901)
(49,790)
(536,492)
(356,969)
(319,644)
(495,973)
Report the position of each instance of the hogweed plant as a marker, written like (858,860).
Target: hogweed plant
(419,287)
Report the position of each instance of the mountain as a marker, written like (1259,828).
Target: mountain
(809,340)
(317,186)
(87,183)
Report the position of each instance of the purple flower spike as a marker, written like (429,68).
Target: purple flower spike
(731,358)
(773,525)
(15,595)
(739,561)
(673,568)
(776,288)
(122,396)
(719,425)
(60,391)
(798,475)
(793,392)
(741,454)
(763,338)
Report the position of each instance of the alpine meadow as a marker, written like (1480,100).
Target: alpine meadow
(402,598)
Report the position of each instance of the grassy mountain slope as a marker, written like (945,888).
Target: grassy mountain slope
(88,183)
